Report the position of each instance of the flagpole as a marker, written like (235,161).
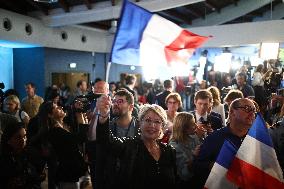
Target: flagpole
(107,71)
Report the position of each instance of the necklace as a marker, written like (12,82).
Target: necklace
(154,151)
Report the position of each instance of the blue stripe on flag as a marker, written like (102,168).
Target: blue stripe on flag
(226,154)
(259,131)
(133,21)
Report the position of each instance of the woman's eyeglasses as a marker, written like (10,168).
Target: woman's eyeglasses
(155,122)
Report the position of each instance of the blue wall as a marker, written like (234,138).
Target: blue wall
(29,67)
(58,60)
(6,67)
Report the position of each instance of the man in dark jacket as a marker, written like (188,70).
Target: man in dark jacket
(123,124)
(161,97)
(209,122)
(277,136)
(241,117)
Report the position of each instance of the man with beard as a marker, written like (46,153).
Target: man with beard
(123,124)
(241,116)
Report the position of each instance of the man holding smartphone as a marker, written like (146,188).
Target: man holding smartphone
(206,123)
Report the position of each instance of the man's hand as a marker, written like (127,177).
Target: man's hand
(103,106)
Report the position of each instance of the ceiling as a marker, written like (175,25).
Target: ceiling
(186,13)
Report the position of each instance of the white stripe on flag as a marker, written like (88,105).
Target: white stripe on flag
(260,155)
(161,30)
(217,178)
(158,34)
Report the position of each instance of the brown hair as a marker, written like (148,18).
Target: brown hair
(176,97)
(215,94)
(233,94)
(181,122)
(203,94)
(128,95)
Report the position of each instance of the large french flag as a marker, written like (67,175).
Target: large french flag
(217,177)
(255,165)
(144,38)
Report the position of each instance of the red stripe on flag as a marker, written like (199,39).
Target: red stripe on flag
(182,48)
(247,176)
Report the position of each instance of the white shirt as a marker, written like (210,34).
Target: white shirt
(199,116)
(257,79)
(221,110)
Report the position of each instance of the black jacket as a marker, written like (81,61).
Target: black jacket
(215,121)
(161,98)
(134,169)
(71,165)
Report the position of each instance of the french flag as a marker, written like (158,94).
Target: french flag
(255,165)
(217,177)
(144,38)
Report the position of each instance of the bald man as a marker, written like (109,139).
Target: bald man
(99,88)
(241,116)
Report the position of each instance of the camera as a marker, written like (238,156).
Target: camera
(85,102)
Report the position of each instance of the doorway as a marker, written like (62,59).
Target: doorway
(70,79)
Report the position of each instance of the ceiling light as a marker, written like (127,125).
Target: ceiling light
(113,27)
(46,1)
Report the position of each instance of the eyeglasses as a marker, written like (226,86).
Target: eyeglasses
(118,101)
(172,102)
(155,122)
(246,108)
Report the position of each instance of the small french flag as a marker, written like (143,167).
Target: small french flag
(255,164)
(218,176)
(144,38)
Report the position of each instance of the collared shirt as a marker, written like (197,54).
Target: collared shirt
(31,105)
(199,116)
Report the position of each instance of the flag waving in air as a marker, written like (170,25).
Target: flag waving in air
(255,164)
(143,38)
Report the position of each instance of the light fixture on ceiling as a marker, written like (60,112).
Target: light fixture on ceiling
(113,27)
(46,1)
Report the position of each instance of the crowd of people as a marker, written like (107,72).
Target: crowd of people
(121,137)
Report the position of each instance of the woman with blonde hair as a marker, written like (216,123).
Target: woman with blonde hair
(144,161)
(187,145)
(13,107)
(217,105)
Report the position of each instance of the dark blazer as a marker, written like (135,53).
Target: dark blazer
(136,168)
(217,115)
(214,120)
(160,99)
